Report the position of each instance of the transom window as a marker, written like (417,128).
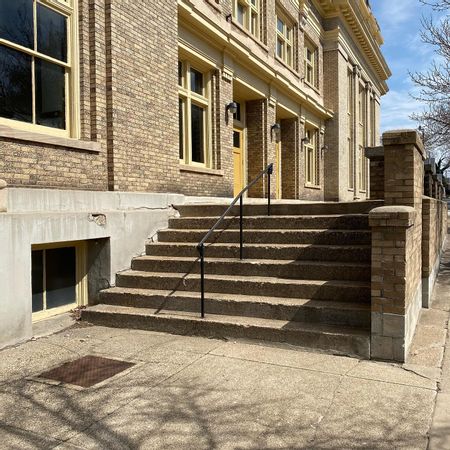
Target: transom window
(193,87)
(35,62)
(246,13)
(312,167)
(310,64)
(284,40)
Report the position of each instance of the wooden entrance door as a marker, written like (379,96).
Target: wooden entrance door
(238,160)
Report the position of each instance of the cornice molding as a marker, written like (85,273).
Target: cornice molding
(361,21)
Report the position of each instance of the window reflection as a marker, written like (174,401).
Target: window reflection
(50,94)
(197,134)
(16,22)
(51,33)
(15,85)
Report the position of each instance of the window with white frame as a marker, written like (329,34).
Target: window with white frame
(312,168)
(193,92)
(285,33)
(246,13)
(37,64)
(310,63)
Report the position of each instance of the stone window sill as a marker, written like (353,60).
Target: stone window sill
(215,4)
(287,66)
(40,138)
(201,170)
(314,88)
(250,35)
(312,186)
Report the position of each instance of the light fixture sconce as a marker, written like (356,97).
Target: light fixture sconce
(306,141)
(232,108)
(276,132)
(324,149)
(303,20)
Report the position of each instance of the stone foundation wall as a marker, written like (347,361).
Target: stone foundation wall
(434,219)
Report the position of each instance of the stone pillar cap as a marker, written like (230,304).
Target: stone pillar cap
(404,137)
(3,184)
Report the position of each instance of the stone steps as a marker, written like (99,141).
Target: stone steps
(311,252)
(304,279)
(323,237)
(294,309)
(336,222)
(301,270)
(338,339)
(355,291)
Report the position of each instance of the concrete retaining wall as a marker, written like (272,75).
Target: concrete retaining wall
(33,216)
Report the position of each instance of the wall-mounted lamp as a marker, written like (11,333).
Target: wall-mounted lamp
(324,149)
(276,131)
(306,140)
(232,108)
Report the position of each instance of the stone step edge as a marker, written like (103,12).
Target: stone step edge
(237,298)
(281,262)
(235,327)
(344,340)
(245,278)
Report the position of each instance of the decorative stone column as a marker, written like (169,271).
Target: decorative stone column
(397,248)
(3,196)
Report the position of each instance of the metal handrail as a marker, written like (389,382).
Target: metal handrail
(201,245)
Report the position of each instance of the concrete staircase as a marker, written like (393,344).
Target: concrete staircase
(305,280)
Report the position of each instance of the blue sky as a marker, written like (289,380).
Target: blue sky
(400,25)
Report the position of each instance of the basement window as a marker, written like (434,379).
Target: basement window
(58,277)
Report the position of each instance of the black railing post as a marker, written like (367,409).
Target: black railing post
(241,226)
(202,279)
(269,172)
(201,245)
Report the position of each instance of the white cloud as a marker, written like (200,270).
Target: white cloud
(397,107)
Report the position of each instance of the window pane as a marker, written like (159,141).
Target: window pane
(51,33)
(60,267)
(196,82)
(236,139)
(289,34)
(50,94)
(280,25)
(181,129)
(197,134)
(279,48)
(237,115)
(254,24)
(180,73)
(16,22)
(16,101)
(241,14)
(37,280)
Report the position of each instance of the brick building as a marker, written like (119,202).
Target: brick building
(128,107)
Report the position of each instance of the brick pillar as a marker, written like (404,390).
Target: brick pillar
(376,172)
(223,132)
(290,139)
(271,156)
(260,144)
(397,248)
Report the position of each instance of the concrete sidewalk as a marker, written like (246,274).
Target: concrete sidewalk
(197,393)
